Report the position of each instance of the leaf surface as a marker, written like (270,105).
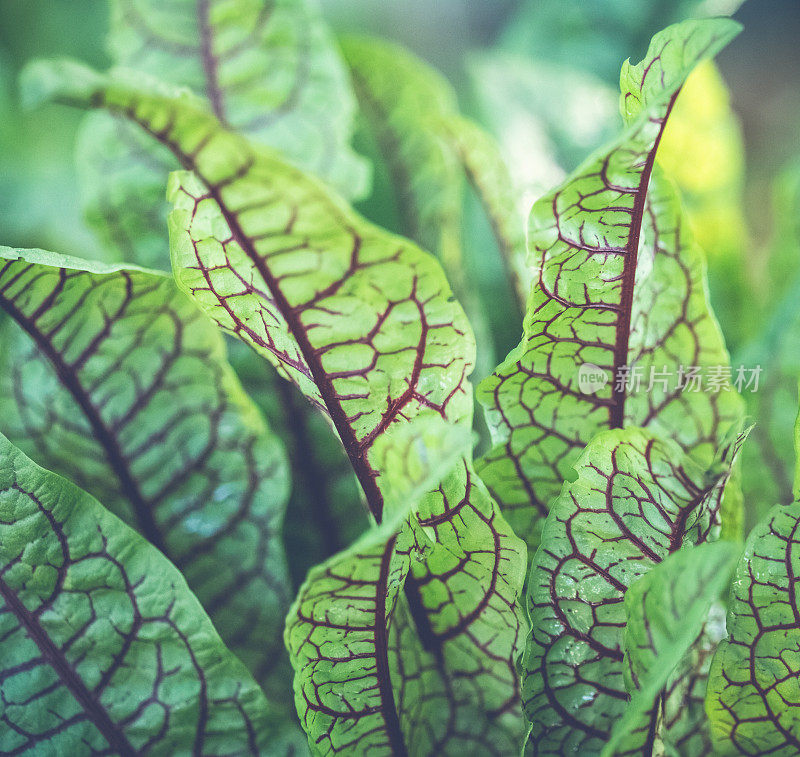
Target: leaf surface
(111,376)
(618,284)
(268,70)
(366,680)
(752,700)
(667,609)
(635,501)
(410,113)
(497,192)
(105,649)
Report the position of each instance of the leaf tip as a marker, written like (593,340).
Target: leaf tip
(68,81)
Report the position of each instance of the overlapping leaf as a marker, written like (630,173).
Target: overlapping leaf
(635,501)
(114,378)
(270,70)
(667,609)
(362,321)
(619,285)
(753,700)
(368,682)
(404,105)
(365,324)
(105,649)
(497,192)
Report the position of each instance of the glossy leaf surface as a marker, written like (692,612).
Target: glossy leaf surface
(618,285)
(635,501)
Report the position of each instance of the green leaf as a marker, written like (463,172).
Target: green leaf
(365,324)
(667,609)
(270,71)
(404,103)
(752,700)
(491,181)
(368,682)
(111,376)
(619,285)
(635,500)
(104,648)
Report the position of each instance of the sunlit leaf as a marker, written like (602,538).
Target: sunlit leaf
(619,285)
(702,150)
(635,501)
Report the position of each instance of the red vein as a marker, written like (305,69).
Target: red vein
(623,329)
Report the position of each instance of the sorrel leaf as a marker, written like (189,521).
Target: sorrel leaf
(753,698)
(619,283)
(404,104)
(491,181)
(111,376)
(368,682)
(667,609)
(635,500)
(104,647)
(363,322)
(269,70)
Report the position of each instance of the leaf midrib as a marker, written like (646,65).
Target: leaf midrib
(209,61)
(623,325)
(356,451)
(91,705)
(116,459)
